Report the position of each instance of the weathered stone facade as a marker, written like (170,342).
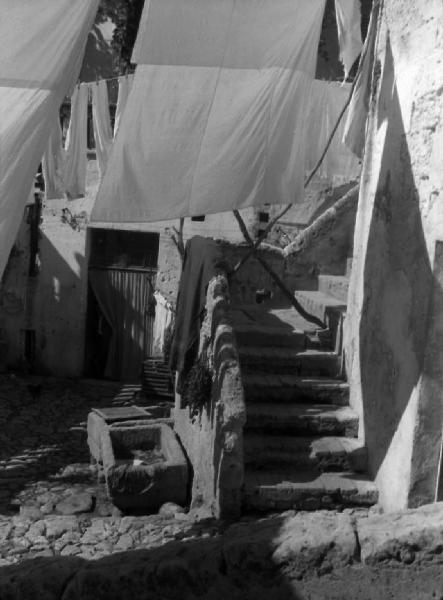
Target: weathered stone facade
(394,340)
(213,439)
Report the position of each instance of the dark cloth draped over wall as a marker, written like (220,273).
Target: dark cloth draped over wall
(202,261)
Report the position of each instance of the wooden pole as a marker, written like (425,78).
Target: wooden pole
(295,303)
(178,241)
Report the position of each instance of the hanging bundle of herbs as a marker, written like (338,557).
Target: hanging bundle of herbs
(197,386)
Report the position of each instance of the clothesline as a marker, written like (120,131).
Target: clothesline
(107,79)
(118,78)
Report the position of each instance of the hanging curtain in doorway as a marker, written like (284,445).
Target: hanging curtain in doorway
(123,297)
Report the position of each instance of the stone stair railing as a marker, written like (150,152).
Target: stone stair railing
(213,439)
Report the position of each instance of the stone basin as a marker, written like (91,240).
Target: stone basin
(100,419)
(144,465)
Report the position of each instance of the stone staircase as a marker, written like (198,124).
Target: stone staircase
(301,448)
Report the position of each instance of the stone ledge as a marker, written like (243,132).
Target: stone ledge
(305,543)
(412,536)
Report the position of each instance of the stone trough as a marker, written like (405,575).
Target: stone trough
(100,419)
(142,461)
(144,465)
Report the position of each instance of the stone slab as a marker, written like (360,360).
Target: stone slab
(110,414)
(300,544)
(303,418)
(411,536)
(335,285)
(262,387)
(285,489)
(323,453)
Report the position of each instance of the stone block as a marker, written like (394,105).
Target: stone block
(414,535)
(305,543)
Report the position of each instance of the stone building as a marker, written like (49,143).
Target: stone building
(394,321)
(390,319)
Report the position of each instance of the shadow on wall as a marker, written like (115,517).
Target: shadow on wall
(58,307)
(44,335)
(398,282)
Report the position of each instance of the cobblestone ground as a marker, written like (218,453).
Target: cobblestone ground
(50,500)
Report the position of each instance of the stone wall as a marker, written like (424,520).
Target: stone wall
(213,440)
(393,339)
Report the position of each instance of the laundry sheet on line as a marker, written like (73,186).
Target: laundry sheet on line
(53,163)
(124,87)
(101,120)
(339,165)
(355,125)
(77,144)
(215,117)
(164,317)
(348,15)
(64,168)
(43,44)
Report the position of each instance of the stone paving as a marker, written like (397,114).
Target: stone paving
(50,500)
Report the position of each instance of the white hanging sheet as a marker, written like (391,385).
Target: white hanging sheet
(355,125)
(348,15)
(326,103)
(76,144)
(102,123)
(164,316)
(124,87)
(53,163)
(215,118)
(42,48)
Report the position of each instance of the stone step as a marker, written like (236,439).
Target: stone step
(330,310)
(256,335)
(320,304)
(291,388)
(275,360)
(301,419)
(278,490)
(321,453)
(336,286)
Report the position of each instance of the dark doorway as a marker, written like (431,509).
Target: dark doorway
(121,306)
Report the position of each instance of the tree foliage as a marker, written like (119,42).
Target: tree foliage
(125,14)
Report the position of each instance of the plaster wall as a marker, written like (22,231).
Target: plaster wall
(393,355)
(59,298)
(54,299)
